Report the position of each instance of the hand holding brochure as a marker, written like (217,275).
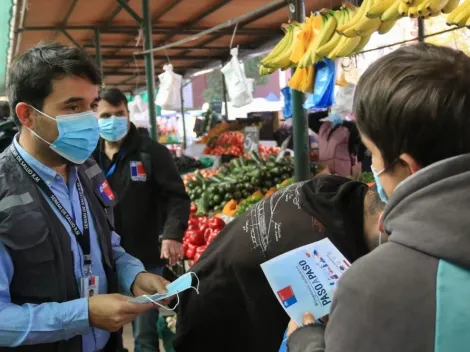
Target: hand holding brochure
(305,278)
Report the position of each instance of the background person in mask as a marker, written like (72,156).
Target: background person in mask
(236,309)
(152,198)
(56,244)
(408,295)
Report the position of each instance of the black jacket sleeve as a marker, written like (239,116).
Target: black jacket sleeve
(308,338)
(177,201)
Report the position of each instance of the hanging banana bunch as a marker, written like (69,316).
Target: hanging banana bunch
(460,15)
(279,58)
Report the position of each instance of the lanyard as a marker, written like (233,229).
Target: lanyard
(112,168)
(83,239)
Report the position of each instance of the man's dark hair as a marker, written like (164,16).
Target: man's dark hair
(113,96)
(4,110)
(416,100)
(31,74)
(373,204)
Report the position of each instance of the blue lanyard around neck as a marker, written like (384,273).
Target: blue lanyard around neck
(112,168)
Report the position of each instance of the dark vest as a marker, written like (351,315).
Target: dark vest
(40,247)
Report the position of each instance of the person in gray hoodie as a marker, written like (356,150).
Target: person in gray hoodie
(410,294)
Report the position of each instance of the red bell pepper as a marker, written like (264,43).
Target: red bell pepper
(193,221)
(190,251)
(212,236)
(193,208)
(207,234)
(196,257)
(200,249)
(203,227)
(216,223)
(196,237)
(203,220)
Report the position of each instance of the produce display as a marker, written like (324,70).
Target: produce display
(231,143)
(205,173)
(200,233)
(227,143)
(213,132)
(346,31)
(238,180)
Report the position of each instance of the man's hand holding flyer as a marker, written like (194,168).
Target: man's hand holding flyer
(304,279)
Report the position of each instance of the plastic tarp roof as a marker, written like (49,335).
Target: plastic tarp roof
(6,7)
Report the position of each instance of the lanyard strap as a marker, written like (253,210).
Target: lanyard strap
(83,239)
(112,168)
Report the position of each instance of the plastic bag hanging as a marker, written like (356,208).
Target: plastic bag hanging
(323,95)
(287,110)
(237,85)
(169,93)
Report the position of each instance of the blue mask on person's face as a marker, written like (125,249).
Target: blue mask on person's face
(383,196)
(114,128)
(78,135)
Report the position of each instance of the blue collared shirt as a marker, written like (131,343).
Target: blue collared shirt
(51,322)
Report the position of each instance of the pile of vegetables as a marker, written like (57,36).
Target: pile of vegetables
(218,129)
(227,143)
(238,180)
(265,151)
(204,173)
(231,143)
(200,233)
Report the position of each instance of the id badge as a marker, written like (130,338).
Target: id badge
(89,286)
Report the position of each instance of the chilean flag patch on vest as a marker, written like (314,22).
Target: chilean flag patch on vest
(106,192)
(138,171)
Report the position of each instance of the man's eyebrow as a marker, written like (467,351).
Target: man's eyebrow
(73,100)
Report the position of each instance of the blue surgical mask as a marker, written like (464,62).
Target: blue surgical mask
(78,135)
(383,196)
(181,284)
(114,128)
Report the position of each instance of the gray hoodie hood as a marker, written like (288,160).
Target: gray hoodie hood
(429,211)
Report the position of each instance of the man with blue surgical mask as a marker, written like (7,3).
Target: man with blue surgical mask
(61,262)
(152,198)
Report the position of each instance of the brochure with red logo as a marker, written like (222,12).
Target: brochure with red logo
(305,278)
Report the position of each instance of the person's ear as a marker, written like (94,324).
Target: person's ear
(23,111)
(410,162)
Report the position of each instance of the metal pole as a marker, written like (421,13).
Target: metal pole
(270,5)
(149,68)
(421,30)
(300,120)
(98,51)
(224,88)
(182,116)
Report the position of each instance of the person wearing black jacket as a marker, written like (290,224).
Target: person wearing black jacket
(152,200)
(236,309)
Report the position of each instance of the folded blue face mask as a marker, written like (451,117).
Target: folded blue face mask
(78,135)
(181,284)
(114,128)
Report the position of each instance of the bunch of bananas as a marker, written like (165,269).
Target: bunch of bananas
(352,33)
(460,14)
(392,10)
(302,80)
(279,57)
